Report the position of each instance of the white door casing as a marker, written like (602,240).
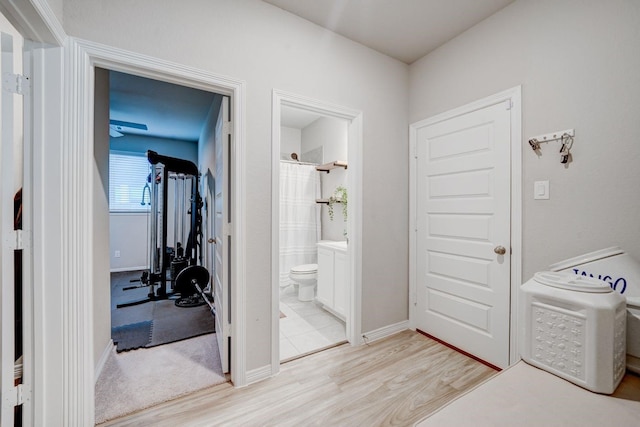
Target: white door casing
(75,192)
(462,201)
(222,232)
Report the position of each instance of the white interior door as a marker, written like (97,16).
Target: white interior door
(223,238)
(463,222)
(11,155)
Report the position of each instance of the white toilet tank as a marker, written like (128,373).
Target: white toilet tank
(622,273)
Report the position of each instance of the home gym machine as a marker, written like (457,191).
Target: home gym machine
(175,266)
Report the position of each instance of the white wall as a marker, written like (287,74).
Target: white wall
(48,299)
(578,63)
(270,48)
(332,135)
(290,140)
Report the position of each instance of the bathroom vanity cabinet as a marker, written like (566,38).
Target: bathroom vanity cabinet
(333,275)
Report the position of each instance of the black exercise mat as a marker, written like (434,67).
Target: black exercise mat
(172,323)
(131,337)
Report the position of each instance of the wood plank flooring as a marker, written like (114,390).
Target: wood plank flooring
(395,381)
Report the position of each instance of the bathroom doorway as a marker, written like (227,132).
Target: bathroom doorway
(316,200)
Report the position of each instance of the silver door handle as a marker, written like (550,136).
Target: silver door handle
(210,240)
(500,250)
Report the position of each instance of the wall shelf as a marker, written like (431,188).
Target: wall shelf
(331,165)
(326,201)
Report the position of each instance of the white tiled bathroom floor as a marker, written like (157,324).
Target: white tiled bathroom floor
(306,326)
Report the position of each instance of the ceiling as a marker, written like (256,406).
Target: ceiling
(168,110)
(405,30)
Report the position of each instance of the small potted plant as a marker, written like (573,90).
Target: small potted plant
(339,196)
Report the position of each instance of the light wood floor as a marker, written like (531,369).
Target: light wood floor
(395,381)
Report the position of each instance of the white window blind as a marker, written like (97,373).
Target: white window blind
(127,178)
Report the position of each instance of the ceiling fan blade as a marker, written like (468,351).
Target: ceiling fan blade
(123,124)
(114,133)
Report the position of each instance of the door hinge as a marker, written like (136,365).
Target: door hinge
(509,104)
(16,83)
(16,397)
(15,240)
(226,229)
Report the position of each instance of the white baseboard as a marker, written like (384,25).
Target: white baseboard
(386,331)
(120,269)
(103,359)
(259,374)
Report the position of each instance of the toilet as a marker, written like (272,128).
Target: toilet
(622,273)
(306,277)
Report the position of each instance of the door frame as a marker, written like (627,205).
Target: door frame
(354,225)
(513,99)
(76,200)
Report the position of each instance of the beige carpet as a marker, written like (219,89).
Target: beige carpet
(527,396)
(141,378)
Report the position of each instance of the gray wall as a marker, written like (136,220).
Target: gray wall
(57,6)
(269,48)
(101,278)
(578,63)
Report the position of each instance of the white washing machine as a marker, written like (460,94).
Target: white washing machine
(622,273)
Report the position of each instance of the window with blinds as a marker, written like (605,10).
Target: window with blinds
(127,178)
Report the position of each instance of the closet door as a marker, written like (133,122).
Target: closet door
(11,181)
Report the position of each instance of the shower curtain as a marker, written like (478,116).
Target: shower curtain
(299,217)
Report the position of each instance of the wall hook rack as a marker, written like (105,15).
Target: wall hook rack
(565,137)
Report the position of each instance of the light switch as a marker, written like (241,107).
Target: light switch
(541,190)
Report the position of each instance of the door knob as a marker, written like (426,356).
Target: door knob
(210,240)
(500,250)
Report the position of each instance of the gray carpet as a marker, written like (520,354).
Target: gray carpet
(134,380)
(152,323)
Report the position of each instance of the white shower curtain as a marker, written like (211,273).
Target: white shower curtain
(299,217)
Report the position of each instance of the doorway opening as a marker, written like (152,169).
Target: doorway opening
(313,232)
(153,143)
(316,218)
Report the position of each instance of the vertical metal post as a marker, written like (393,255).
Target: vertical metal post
(162,291)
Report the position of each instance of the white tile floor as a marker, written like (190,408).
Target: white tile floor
(307,326)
